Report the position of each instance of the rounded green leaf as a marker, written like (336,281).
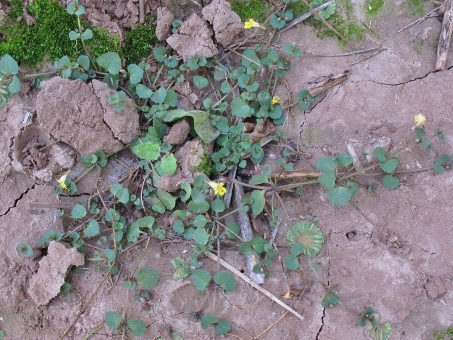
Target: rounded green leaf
(297,249)
(200,236)
(120,192)
(291,262)
(113,320)
(308,234)
(201,278)
(167,199)
(147,278)
(257,196)
(110,61)
(92,229)
(327,179)
(73,35)
(330,300)
(391,182)
(390,165)
(137,327)
(232,229)
(222,327)
(225,280)
(87,34)
(326,163)
(200,82)
(218,205)
(135,73)
(24,249)
(78,211)
(305,99)
(198,207)
(380,154)
(188,189)
(168,165)
(381,332)
(339,196)
(14,86)
(84,61)
(207,320)
(442,163)
(239,108)
(344,159)
(8,65)
(143,92)
(148,151)
(110,254)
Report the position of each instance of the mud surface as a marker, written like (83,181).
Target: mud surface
(387,249)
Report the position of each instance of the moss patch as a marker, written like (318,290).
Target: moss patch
(48,39)
(139,41)
(444,335)
(246,9)
(372,7)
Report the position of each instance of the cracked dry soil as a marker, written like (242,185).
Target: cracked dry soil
(390,249)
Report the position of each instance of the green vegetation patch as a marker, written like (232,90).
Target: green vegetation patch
(246,9)
(48,38)
(372,7)
(139,41)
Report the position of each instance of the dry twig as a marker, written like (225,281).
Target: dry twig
(253,284)
(445,36)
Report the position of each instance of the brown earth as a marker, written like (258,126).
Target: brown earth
(388,249)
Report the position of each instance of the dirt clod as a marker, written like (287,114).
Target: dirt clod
(178,133)
(46,283)
(435,287)
(164,21)
(88,125)
(193,37)
(225,22)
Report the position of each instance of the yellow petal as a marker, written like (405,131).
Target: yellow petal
(62,179)
(275,100)
(419,120)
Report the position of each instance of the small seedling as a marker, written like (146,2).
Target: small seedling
(370,321)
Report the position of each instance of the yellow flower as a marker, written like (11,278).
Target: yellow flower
(419,120)
(275,100)
(62,179)
(252,23)
(219,188)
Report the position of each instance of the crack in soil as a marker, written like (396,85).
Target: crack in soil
(328,285)
(17,200)
(398,84)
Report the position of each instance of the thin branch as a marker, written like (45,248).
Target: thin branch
(253,284)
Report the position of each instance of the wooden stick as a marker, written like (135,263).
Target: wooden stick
(305,16)
(246,232)
(328,83)
(327,24)
(445,36)
(296,174)
(253,284)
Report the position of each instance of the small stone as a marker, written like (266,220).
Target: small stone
(194,37)
(435,287)
(403,314)
(178,132)
(46,283)
(225,22)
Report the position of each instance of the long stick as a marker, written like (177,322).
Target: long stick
(445,36)
(305,16)
(253,284)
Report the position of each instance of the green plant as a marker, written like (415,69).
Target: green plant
(9,82)
(140,40)
(372,7)
(247,9)
(370,321)
(30,44)
(443,335)
(115,322)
